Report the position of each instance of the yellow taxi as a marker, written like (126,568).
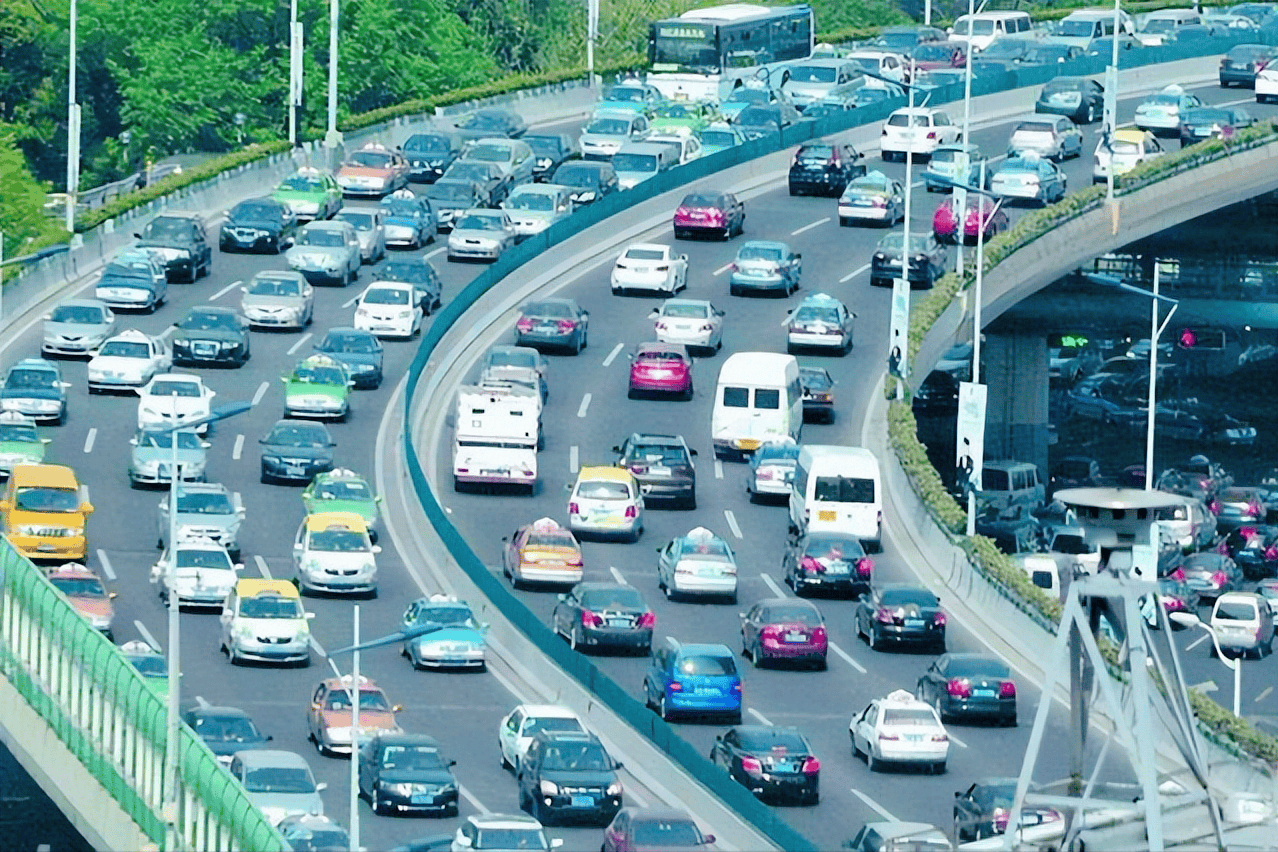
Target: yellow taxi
(542,552)
(606,501)
(263,620)
(328,720)
(43,513)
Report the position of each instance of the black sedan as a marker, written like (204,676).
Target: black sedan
(928,259)
(818,394)
(827,561)
(430,154)
(211,336)
(407,773)
(296,450)
(662,464)
(773,763)
(983,809)
(258,224)
(604,616)
(590,180)
(451,198)
(900,614)
(970,686)
(1254,549)
(1081,98)
(1212,123)
(552,324)
(550,150)
(1209,574)
(492,121)
(225,730)
(1238,67)
(359,351)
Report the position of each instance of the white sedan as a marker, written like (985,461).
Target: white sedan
(920,130)
(697,564)
(128,360)
(516,731)
(333,553)
(202,572)
(900,729)
(650,267)
(695,323)
(174,399)
(389,309)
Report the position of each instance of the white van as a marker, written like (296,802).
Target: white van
(988,26)
(758,398)
(838,489)
(1160,27)
(636,162)
(814,79)
(1081,28)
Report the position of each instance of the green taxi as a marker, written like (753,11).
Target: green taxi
(693,116)
(342,490)
(20,443)
(319,388)
(310,194)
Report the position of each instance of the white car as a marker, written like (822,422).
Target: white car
(894,66)
(650,267)
(820,322)
(1267,84)
(174,399)
(202,573)
(278,299)
(1163,112)
(695,323)
(333,553)
(917,130)
(520,725)
(370,230)
(130,359)
(608,130)
(485,832)
(388,309)
(699,563)
(900,729)
(1129,148)
(1243,623)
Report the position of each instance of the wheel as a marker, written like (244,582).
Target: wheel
(662,710)
(734,290)
(572,638)
(379,807)
(874,764)
(938,768)
(873,639)
(940,713)
(505,764)
(856,749)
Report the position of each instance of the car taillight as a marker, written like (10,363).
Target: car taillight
(1224,62)
(736,689)
(566,325)
(865,566)
(884,735)
(648,620)
(715,215)
(1271,552)
(1219,579)
(959,688)
(940,738)
(795,161)
(999,820)
(574,509)
(1204,484)
(676,686)
(707,327)
(885,131)
(1214,507)
(818,634)
(811,766)
(939,619)
(811,566)
(681,210)
(879,202)
(931,135)
(1222,548)
(751,766)
(589,619)
(524,324)
(631,512)
(1007,689)
(663,268)
(661,326)
(884,615)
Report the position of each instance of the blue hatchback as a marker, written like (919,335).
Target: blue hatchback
(693,680)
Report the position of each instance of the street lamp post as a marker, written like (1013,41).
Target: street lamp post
(294,72)
(353,693)
(332,137)
(73,131)
(173,790)
(1188,619)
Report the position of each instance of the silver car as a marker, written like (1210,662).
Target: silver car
(1055,137)
(534,207)
(206,509)
(326,252)
(77,327)
(278,299)
(480,235)
(279,783)
(370,227)
(152,458)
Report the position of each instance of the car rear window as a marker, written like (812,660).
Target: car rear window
(705,664)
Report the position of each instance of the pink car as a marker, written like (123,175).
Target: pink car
(945,221)
(784,630)
(660,368)
(709,213)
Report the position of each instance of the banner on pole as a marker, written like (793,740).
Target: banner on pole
(970,442)
(899,330)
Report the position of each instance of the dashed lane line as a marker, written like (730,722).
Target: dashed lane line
(90,438)
(147,637)
(228,288)
(105,562)
(847,658)
(585,405)
(298,345)
(854,273)
(732,523)
(612,356)
(263,568)
(261,392)
(772,585)
(617,575)
(238,449)
(818,223)
(573,462)
(723,269)
(763,720)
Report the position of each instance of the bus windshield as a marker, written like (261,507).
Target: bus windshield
(678,46)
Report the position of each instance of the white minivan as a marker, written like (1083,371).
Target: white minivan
(758,399)
(838,489)
(983,28)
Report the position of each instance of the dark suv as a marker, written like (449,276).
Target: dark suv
(211,336)
(663,466)
(569,776)
(824,168)
(181,239)
(259,224)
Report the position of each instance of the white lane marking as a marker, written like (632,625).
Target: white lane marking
(955,739)
(847,658)
(261,392)
(1264,693)
(147,637)
(718,469)
(572,459)
(352,300)
(585,404)
(228,288)
(854,273)
(772,584)
(319,649)
(763,720)
(818,223)
(238,450)
(90,438)
(262,568)
(617,575)
(612,356)
(106,565)
(475,803)
(434,252)
(1200,640)
(732,523)
(298,345)
(723,269)
(164,335)
(873,805)
(200,700)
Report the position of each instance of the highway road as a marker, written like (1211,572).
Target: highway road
(463,710)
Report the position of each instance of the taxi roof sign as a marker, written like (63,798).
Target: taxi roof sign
(322,521)
(251,587)
(901,696)
(545,524)
(700,534)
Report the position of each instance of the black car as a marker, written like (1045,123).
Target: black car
(1210,122)
(296,450)
(211,336)
(1050,54)
(758,121)
(258,224)
(180,238)
(901,614)
(773,763)
(827,561)
(937,395)
(406,773)
(983,809)
(451,198)
(962,686)
(1080,98)
(824,168)
(569,776)
(225,730)
(663,466)
(1254,549)
(604,616)
(493,183)
(1238,67)
(430,154)
(555,323)
(818,394)
(927,261)
(492,121)
(419,272)
(550,150)
(360,352)
(590,180)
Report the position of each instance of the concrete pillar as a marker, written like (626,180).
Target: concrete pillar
(1017,412)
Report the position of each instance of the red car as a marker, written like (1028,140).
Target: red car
(710,213)
(945,221)
(653,830)
(784,629)
(660,368)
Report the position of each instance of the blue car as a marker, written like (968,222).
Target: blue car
(34,388)
(693,680)
(631,95)
(448,634)
(410,222)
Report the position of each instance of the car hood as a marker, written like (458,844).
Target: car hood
(364,171)
(165,244)
(476,234)
(349,358)
(254,301)
(287,195)
(220,334)
(290,451)
(415,776)
(284,804)
(109,279)
(579,778)
(451,634)
(313,389)
(75,329)
(31,393)
(162,455)
(302,255)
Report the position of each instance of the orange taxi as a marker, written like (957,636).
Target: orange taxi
(85,592)
(542,552)
(373,171)
(328,720)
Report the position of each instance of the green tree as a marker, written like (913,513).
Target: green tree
(22,216)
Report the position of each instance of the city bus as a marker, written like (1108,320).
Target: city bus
(704,54)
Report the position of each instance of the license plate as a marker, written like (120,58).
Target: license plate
(659,471)
(706,690)
(583,801)
(708,571)
(914,738)
(422,798)
(618,622)
(983,693)
(913,622)
(827,515)
(293,470)
(796,637)
(837,568)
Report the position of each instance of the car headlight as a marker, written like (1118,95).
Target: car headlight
(549,788)
(614,789)
(405,314)
(339,733)
(244,631)
(228,344)
(433,648)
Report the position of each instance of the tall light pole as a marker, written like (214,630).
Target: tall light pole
(1111,106)
(353,694)
(294,72)
(332,138)
(73,131)
(963,173)
(173,786)
(1188,619)
(592,33)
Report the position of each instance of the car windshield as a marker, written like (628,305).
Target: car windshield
(475,222)
(616,597)
(270,607)
(485,120)
(41,499)
(792,613)
(711,549)
(812,74)
(815,379)
(1227,610)
(301,183)
(226,729)
(905,597)
(339,541)
(369,699)
(532,201)
(1047,53)
(359,220)
(82,314)
(645,254)
(19,379)
(810,314)
(510,838)
(471,170)
(909,716)
(663,454)
(210,321)
(371,159)
(1164,100)
(933,53)
(445,615)
(973,26)
(718,138)
(583,176)
(428,144)
(411,758)
(194,558)
(352,342)
(1118,146)
(387,296)
(128,269)
(603,490)
(659,355)
(279,779)
(269,286)
(20,433)
(256,211)
(976,667)
(174,388)
(664,833)
(79,587)
(706,664)
(168,229)
(1209,116)
(491,153)
(186,440)
(449,191)
(1158,25)
(609,126)
(558,537)
(535,724)
(760,252)
(1033,127)
(1075,29)
(321,238)
(626,94)
(545,146)
(410,271)
(204,503)
(401,208)
(554,310)
(776,452)
(344,489)
(685,310)
(626,162)
(576,757)
(299,436)
(761,739)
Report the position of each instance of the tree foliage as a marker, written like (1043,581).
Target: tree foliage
(21,203)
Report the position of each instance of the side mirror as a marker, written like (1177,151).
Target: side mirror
(205,445)
(237,567)
(452,763)
(86,508)
(47,317)
(377,548)
(707,839)
(617,764)
(64,385)
(616,449)
(556,842)
(563,596)
(309,616)
(321,787)
(691,452)
(397,708)
(133,442)
(112,595)
(136,235)
(297,547)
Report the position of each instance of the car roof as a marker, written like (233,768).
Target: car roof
(253,586)
(570,736)
(35,364)
(321,521)
(503,821)
(709,649)
(271,757)
(547,711)
(344,682)
(605,472)
(405,738)
(70,569)
(49,475)
(658,346)
(1127,134)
